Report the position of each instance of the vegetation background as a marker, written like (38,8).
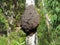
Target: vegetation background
(11,32)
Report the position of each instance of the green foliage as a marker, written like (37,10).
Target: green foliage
(0,10)
(53,8)
(3,40)
(3,22)
(12,8)
(52,37)
(16,39)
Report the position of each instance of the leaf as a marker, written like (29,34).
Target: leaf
(0,10)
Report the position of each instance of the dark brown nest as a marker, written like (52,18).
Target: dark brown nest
(30,19)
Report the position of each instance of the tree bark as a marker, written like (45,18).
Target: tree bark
(32,40)
(30,2)
(8,33)
(47,21)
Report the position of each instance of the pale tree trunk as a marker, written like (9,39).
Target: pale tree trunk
(10,21)
(46,16)
(30,2)
(48,27)
(48,22)
(33,39)
(8,33)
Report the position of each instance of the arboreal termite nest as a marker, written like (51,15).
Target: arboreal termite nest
(30,20)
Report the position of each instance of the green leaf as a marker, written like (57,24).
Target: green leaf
(0,10)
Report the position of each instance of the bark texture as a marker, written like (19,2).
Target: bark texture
(32,40)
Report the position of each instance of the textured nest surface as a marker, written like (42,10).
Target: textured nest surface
(30,19)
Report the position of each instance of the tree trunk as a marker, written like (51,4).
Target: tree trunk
(47,21)
(8,33)
(32,40)
(30,2)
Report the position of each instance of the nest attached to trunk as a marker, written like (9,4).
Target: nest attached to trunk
(30,19)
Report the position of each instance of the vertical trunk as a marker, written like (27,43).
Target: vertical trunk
(47,22)
(30,2)
(46,15)
(31,40)
(10,21)
(8,32)
(9,28)
(48,27)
